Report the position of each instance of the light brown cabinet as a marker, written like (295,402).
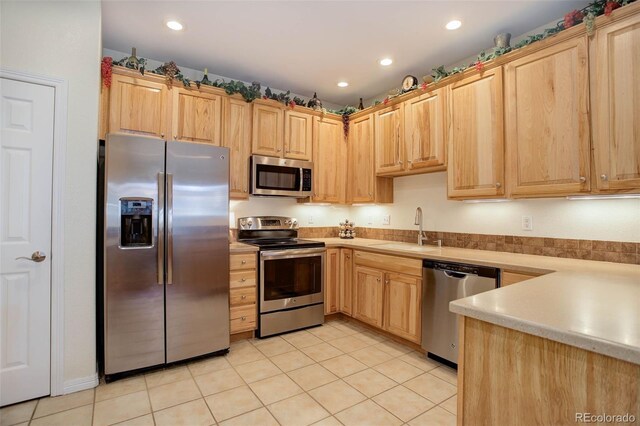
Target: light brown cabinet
(268,129)
(329,161)
(243,311)
(369,293)
(402,308)
(196,115)
(387,293)
(364,186)
(476,136)
(138,106)
(298,133)
(331,280)
(514,277)
(345,285)
(547,117)
(389,139)
(615,101)
(236,133)
(424,132)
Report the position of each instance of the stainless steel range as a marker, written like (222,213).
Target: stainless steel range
(291,271)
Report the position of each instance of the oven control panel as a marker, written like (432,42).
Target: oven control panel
(267,223)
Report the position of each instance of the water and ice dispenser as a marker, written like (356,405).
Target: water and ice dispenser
(136,229)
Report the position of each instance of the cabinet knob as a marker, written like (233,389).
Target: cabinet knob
(400,162)
(498,184)
(604,177)
(244,262)
(278,150)
(243,279)
(175,137)
(370,194)
(378,279)
(243,318)
(348,257)
(162,135)
(583,179)
(409,161)
(245,189)
(244,296)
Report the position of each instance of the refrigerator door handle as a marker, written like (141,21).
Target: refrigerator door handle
(169,228)
(160,228)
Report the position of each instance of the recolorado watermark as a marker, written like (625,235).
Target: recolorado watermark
(605,418)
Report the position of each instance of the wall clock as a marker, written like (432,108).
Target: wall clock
(408,82)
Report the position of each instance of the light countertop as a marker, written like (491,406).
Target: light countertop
(591,305)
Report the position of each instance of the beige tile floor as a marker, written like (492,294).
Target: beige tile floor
(339,373)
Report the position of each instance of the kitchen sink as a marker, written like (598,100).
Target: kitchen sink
(406,246)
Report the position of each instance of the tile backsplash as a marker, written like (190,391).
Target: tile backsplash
(609,251)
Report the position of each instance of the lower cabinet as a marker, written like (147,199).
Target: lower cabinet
(242,292)
(387,298)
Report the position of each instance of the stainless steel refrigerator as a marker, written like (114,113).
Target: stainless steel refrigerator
(166,252)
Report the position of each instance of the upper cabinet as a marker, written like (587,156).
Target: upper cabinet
(329,161)
(389,140)
(298,131)
(236,135)
(547,105)
(615,100)
(197,116)
(476,136)
(268,130)
(138,106)
(364,186)
(424,126)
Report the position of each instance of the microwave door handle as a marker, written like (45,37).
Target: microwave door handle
(301,187)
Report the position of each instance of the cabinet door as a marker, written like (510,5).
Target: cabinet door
(368,295)
(268,123)
(475,148)
(237,137)
(424,131)
(616,105)
(196,116)
(345,286)
(547,95)
(388,140)
(331,279)
(138,106)
(298,132)
(402,306)
(329,161)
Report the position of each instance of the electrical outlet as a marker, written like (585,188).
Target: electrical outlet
(310,222)
(386,219)
(527,223)
(370,220)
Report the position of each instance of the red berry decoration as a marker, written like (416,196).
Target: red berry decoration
(610,7)
(386,100)
(292,104)
(572,18)
(423,86)
(105,69)
(479,66)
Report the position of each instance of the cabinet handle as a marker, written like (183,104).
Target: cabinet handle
(278,150)
(583,179)
(162,135)
(386,282)
(348,257)
(370,194)
(498,184)
(175,137)
(245,189)
(243,279)
(243,318)
(604,177)
(378,279)
(244,262)
(244,296)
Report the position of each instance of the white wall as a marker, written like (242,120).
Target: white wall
(604,219)
(197,74)
(263,206)
(62,39)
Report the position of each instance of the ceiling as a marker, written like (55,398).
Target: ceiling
(307,46)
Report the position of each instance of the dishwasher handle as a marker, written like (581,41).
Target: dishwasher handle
(456,275)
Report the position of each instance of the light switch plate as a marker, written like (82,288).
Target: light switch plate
(386,219)
(370,220)
(527,223)
(310,222)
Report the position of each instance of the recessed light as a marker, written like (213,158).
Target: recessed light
(343,84)
(453,25)
(174,25)
(386,62)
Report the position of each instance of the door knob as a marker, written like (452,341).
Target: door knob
(37,256)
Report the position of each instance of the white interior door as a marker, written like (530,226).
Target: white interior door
(26,149)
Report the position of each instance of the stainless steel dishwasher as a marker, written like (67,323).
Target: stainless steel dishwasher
(442,283)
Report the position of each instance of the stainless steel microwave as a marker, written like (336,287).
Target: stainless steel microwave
(280,177)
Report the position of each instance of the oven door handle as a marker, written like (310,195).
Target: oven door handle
(291,253)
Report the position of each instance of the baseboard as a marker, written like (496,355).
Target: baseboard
(81,383)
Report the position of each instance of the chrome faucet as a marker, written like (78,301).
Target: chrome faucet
(421,238)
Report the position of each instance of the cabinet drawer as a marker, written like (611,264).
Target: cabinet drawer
(242,296)
(242,261)
(398,264)
(242,278)
(243,318)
